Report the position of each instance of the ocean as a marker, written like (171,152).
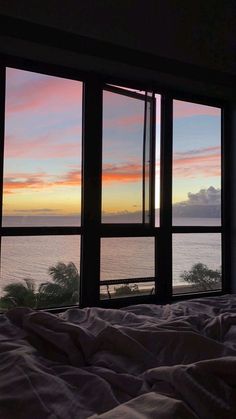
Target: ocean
(121,258)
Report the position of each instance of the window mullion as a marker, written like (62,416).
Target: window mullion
(226,196)
(164,251)
(91,193)
(2,127)
(149,159)
(2,124)
(152,160)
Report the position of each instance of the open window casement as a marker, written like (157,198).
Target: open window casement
(129,153)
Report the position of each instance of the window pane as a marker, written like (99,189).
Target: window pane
(25,261)
(196,262)
(126,262)
(122,180)
(196,164)
(42,157)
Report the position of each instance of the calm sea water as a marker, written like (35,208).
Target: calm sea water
(121,258)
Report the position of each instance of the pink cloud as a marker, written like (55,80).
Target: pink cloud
(45,92)
(185,109)
(203,162)
(52,145)
(125,121)
(34,150)
(195,152)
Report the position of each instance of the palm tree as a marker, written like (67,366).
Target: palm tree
(19,294)
(202,277)
(64,290)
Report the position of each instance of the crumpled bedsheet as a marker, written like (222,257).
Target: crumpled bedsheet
(143,361)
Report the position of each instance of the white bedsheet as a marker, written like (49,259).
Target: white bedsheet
(144,361)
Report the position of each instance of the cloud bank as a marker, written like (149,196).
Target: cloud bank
(204,204)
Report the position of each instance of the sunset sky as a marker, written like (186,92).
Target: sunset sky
(196,148)
(42,170)
(42,166)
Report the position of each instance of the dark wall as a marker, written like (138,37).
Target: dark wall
(198,32)
(232,161)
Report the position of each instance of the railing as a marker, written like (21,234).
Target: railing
(109,282)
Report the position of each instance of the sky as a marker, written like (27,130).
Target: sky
(42,156)
(196,148)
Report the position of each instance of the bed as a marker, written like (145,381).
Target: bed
(142,361)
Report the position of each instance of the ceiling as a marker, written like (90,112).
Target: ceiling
(201,33)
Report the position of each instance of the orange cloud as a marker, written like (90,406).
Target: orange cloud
(196,163)
(122,173)
(72,178)
(18,181)
(38,181)
(112,173)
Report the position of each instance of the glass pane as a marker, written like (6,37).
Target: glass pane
(42,156)
(196,262)
(196,164)
(122,177)
(41,271)
(127,262)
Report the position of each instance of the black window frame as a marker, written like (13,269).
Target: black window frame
(223,228)
(91,232)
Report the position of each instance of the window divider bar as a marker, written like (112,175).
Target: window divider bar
(226,199)
(126,92)
(150,188)
(144,159)
(128,230)
(164,251)
(2,130)
(152,153)
(91,193)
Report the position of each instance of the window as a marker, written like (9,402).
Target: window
(41,190)
(128,133)
(110,195)
(197,258)
(197,262)
(127,267)
(196,164)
